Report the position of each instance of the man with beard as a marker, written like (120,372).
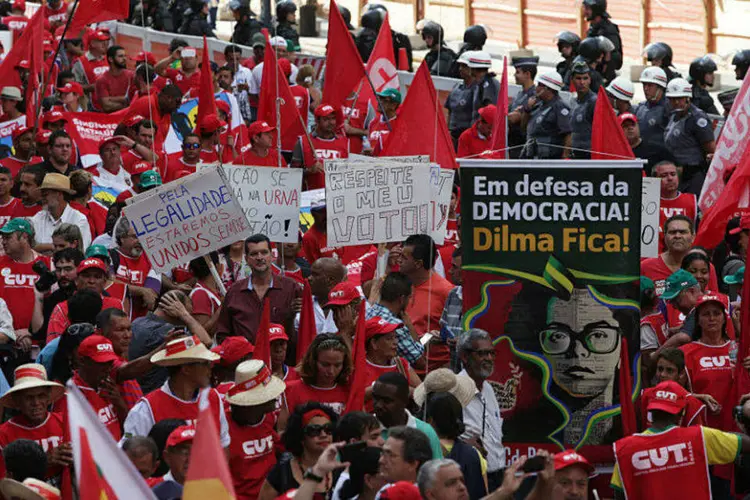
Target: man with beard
(56,211)
(30,179)
(133,268)
(111,89)
(653,153)
(66,262)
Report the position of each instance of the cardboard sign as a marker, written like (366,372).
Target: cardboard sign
(187,218)
(270,199)
(376,202)
(441,188)
(650,200)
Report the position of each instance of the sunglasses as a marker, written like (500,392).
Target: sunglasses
(192,145)
(315,430)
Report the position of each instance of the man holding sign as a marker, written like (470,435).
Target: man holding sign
(325,144)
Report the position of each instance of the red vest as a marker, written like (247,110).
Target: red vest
(357,114)
(165,406)
(671,464)
(710,371)
(103,408)
(251,455)
(134,271)
(658,323)
(325,149)
(16,24)
(682,204)
(379,133)
(48,435)
(93,69)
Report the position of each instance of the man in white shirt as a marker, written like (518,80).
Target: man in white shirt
(57,211)
(241,82)
(482,415)
(279,45)
(110,173)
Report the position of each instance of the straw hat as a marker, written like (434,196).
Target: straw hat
(254,384)
(30,376)
(444,380)
(183,351)
(30,489)
(57,182)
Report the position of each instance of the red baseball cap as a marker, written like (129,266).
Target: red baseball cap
(627,116)
(125,195)
(19,5)
(378,326)
(211,123)
(133,121)
(101,34)
(48,46)
(92,264)
(109,140)
(73,87)
(53,116)
(669,397)
(42,136)
(97,348)
(182,434)
(23,64)
(232,350)
(402,490)
(488,113)
(144,56)
(324,110)
(19,132)
(709,297)
(742,224)
(569,458)
(285,66)
(258,127)
(276,332)
(342,294)
(223,105)
(140,167)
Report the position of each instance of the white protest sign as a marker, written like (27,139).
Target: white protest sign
(376,203)
(441,188)
(650,190)
(355,158)
(187,218)
(270,199)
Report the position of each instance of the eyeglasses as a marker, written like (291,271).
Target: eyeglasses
(599,338)
(315,430)
(191,145)
(483,352)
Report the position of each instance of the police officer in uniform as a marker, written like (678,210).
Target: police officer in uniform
(702,76)
(583,114)
(653,113)
(590,52)
(525,64)
(595,11)
(689,136)
(659,54)
(460,102)
(440,59)
(488,87)
(567,45)
(548,131)
(741,61)
(620,92)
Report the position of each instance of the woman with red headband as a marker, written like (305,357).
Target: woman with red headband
(309,432)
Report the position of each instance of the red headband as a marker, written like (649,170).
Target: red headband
(263,377)
(307,417)
(184,344)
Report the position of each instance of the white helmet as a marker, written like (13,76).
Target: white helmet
(679,87)
(550,79)
(654,74)
(622,88)
(479,59)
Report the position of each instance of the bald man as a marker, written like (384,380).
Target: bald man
(325,273)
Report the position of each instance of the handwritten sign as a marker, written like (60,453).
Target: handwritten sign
(376,203)
(188,218)
(441,188)
(270,199)
(650,190)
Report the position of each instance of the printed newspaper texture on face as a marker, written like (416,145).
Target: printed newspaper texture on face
(551,268)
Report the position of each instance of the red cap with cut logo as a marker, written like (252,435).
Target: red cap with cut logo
(568,458)
(182,434)
(97,348)
(669,397)
(342,294)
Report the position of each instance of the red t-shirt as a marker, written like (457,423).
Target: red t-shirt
(470,144)
(362,269)
(7,210)
(112,86)
(682,204)
(58,320)
(695,410)
(94,68)
(298,392)
(49,435)
(175,164)
(17,288)
(16,24)
(183,82)
(95,213)
(710,371)
(22,210)
(451,232)
(446,257)
(314,245)
(251,455)
(357,114)
(658,271)
(425,309)
(212,156)
(246,156)
(15,164)
(373,372)
(325,149)
(57,16)
(204,300)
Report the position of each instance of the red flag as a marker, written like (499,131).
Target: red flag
(626,390)
(381,67)
(344,67)
(420,119)
(262,345)
(274,84)
(91,485)
(741,382)
(356,400)
(94,11)
(206,99)
(606,134)
(208,474)
(36,69)
(500,126)
(307,329)
(21,51)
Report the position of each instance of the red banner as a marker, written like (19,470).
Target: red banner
(88,130)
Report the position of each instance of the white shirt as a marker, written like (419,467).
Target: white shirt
(243,76)
(256,81)
(323,322)
(140,420)
(484,410)
(6,321)
(44,225)
(104,178)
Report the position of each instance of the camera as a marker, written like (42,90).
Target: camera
(46,277)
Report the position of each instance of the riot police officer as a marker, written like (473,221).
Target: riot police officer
(653,113)
(589,51)
(548,131)
(440,59)
(460,102)
(371,26)
(659,54)
(567,45)
(620,92)
(525,64)
(583,113)
(688,136)
(702,76)
(741,61)
(474,38)
(596,13)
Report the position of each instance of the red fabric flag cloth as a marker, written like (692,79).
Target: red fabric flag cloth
(208,474)
(608,141)
(21,51)
(262,344)
(344,67)
(307,329)
(356,400)
(381,67)
(500,126)
(626,390)
(419,120)
(94,11)
(92,486)
(741,383)
(206,100)
(36,69)
(275,84)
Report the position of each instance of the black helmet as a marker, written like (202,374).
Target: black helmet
(372,19)
(590,49)
(659,51)
(284,8)
(741,62)
(700,67)
(568,38)
(598,8)
(579,66)
(433,29)
(476,36)
(346,14)
(375,6)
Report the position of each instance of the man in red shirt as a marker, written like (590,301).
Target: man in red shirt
(111,88)
(7,202)
(93,64)
(23,148)
(81,182)
(211,149)
(158,106)
(133,268)
(142,149)
(187,159)
(251,426)
(679,234)
(477,139)
(390,100)
(673,202)
(326,145)
(17,20)
(56,12)
(358,116)
(315,241)
(30,180)
(54,120)
(261,151)
(188,76)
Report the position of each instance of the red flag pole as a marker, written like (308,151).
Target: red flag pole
(356,399)
(626,386)
(307,329)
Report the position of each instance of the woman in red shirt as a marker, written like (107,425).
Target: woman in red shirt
(324,373)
